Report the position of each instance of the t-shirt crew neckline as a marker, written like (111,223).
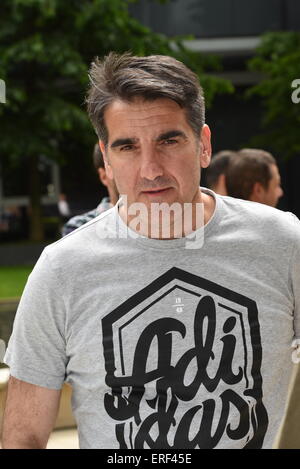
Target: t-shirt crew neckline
(162,244)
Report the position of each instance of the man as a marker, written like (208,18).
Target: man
(216,172)
(106,202)
(254,176)
(164,346)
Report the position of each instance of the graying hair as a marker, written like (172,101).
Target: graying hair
(125,77)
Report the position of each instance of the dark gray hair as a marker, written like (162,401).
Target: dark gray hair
(250,166)
(125,77)
(219,165)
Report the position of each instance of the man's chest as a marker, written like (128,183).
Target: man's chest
(182,349)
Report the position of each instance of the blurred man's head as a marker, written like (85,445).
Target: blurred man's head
(107,182)
(216,172)
(254,176)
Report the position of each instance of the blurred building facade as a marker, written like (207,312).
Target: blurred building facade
(218,18)
(14,198)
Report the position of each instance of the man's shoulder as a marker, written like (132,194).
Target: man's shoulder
(261,217)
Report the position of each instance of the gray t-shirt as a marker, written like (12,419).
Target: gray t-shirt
(167,347)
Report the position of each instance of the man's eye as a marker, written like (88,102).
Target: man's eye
(127,148)
(170,141)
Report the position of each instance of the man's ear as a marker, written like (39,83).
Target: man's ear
(102,176)
(108,168)
(205,142)
(258,192)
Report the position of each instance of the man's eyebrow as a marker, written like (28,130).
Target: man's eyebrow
(170,134)
(164,136)
(123,141)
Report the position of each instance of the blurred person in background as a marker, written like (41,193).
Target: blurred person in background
(106,202)
(63,207)
(254,176)
(216,172)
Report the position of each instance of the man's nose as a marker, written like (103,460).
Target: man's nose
(151,165)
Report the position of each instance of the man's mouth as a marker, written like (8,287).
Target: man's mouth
(156,191)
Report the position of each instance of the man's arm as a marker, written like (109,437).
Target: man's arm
(30,415)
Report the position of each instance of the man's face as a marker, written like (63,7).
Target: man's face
(153,153)
(274,190)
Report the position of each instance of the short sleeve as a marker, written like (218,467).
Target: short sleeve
(36,351)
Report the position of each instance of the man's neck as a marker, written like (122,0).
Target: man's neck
(175,221)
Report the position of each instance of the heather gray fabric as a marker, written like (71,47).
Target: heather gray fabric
(166,346)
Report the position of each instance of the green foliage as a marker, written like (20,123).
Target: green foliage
(12,280)
(46,47)
(278,59)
